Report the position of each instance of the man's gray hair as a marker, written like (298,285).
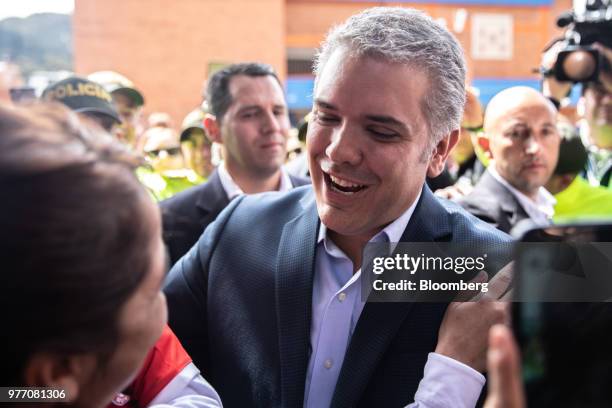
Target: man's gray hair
(411,37)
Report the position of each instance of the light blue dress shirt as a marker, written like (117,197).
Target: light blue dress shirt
(336,307)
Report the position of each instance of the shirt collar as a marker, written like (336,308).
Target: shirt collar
(233,190)
(542,209)
(391,233)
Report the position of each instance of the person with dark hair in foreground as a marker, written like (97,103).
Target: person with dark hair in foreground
(83,263)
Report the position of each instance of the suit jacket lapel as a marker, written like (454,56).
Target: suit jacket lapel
(379,322)
(507,201)
(212,197)
(294,275)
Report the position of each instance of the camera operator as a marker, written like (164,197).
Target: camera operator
(584,56)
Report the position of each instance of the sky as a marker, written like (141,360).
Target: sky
(23,8)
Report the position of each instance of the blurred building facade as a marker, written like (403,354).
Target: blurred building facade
(169,47)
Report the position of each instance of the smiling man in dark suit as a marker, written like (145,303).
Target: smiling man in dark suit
(268,303)
(249,120)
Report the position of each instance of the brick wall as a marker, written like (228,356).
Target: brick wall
(166,46)
(309,20)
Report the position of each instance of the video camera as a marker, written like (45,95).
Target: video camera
(590,21)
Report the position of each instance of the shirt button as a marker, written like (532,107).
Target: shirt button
(341,297)
(328,363)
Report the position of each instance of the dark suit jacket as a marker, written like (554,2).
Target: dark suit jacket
(240,302)
(186,215)
(494,203)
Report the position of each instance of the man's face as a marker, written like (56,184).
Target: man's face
(255,128)
(598,114)
(130,117)
(366,143)
(597,104)
(198,151)
(139,323)
(524,143)
(162,150)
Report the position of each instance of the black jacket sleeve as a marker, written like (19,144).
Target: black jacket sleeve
(186,289)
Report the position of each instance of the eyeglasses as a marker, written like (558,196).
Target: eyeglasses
(172,151)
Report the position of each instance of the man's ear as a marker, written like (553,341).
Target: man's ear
(212,129)
(61,372)
(441,152)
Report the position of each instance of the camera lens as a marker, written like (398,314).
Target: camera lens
(579,65)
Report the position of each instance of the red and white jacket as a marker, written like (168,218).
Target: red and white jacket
(168,378)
